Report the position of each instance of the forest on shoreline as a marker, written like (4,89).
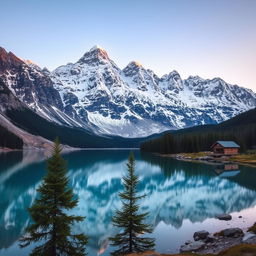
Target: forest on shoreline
(241,129)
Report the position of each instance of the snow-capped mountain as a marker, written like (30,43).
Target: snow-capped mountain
(136,102)
(32,86)
(95,94)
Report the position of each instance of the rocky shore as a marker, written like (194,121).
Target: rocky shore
(206,243)
(227,242)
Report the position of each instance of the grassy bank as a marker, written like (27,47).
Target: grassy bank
(244,158)
(241,158)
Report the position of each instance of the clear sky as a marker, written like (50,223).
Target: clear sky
(209,38)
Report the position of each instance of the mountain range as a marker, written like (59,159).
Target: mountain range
(96,97)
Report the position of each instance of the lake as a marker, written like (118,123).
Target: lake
(182,197)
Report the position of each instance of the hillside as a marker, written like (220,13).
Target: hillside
(22,127)
(241,129)
(34,124)
(9,139)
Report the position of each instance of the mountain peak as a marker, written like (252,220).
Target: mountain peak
(2,50)
(195,78)
(95,54)
(96,48)
(136,63)
(31,63)
(8,58)
(133,65)
(172,74)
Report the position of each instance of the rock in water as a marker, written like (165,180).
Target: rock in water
(200,235)
(248,236)
(194,246)
(224,217)
(232,232)
(210,239)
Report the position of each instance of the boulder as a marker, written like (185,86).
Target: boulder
(251,240)
(200,235)
(232,232)
(248,236)
(210,239)
(224,217)
(192,247)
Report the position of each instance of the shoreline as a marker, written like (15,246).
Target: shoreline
(226,242)
(66,149)
(7,150)
(205,243)
(207,158)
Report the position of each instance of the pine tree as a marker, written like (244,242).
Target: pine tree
(128,219)
(51,227)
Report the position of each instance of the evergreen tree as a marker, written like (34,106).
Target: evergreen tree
(51,226)
(128,219)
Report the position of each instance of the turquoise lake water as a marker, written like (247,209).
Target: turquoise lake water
(182,197)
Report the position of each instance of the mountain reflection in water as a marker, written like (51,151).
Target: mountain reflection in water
(176,191)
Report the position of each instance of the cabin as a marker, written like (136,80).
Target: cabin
(225,148)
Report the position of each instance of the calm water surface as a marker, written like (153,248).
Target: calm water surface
(182,197)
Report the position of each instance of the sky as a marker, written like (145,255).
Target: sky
(209,38)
